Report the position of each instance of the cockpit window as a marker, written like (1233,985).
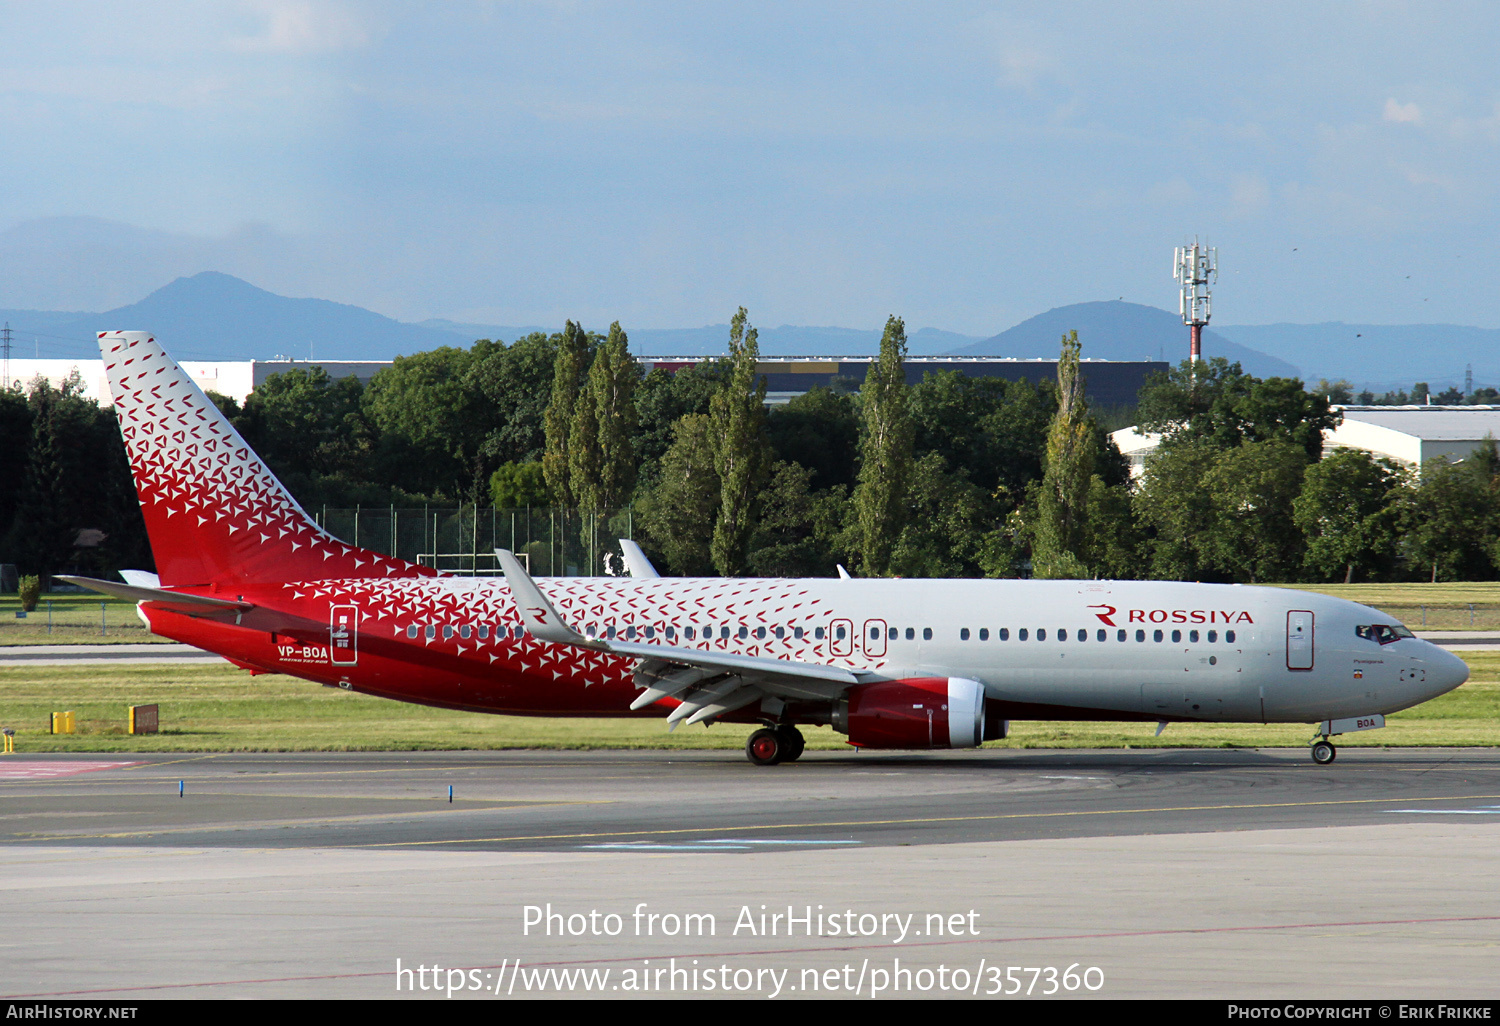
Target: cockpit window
(1382,633)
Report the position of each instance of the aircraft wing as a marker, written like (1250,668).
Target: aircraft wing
(706,683)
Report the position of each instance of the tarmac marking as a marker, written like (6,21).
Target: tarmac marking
(924,819)
(45,770)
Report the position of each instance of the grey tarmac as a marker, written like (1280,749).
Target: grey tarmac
(1176,873)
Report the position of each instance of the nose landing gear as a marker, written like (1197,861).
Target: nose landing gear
(1323,752)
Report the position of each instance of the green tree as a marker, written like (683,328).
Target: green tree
(428,422)
(514,384)
(612,380)
(885,452)
(738,413)
(1252,489)
(518,485)
(1450,522)
(583,452)
(1061,538)
(1349,512)
(1221,403)
(568,370)
(679,513)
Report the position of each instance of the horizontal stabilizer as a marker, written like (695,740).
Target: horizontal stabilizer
(170,599)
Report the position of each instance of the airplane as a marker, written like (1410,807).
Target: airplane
(244,572)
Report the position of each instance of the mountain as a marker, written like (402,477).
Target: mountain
(1380,356)
(1116,330)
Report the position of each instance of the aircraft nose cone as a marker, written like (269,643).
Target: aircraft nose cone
(1449,670)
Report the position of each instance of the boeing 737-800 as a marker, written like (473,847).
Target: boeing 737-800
(242,571)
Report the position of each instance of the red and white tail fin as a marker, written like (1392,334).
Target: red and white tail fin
(214,513)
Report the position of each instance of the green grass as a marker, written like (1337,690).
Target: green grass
(1434,607)
(216,709)
(75,620)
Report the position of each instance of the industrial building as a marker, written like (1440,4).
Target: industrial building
(1108,382)
(1411,435)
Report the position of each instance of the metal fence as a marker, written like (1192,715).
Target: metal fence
(552,541)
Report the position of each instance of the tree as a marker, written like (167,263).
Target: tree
(429,422)
(738,413)
(1349,513)
(567,376)
(583,452)
(1221,403)
(1061,535)
(514,385)
(679,513)
(1450,522)
(612,380)
(518,485)
(885,452)
(1252,489)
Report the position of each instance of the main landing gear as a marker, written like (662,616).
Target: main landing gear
(1323,752)
(770,745)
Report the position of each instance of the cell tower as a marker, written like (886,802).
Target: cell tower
(1194,267)
(5,357)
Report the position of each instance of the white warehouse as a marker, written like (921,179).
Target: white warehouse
(1410,434)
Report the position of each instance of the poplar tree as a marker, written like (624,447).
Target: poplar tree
(612,382)
(567,373)
(738,418)
(1061,536)
(885,451)
(583,450)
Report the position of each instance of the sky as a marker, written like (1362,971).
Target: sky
(962,165)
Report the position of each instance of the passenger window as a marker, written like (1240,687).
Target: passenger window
(1103,635)
(1176,637)
(1229,637)
(411,632)
(609,632)
(926,633)
(1141,636)
(1156,635)
(1021,634)
(817,634)
(447,631)
(780,633)
(984,634)
(838,634)
(630,631)
(1120,636)
(651,633)
(963,634)
(465,631)
(1004,633)
(689,633)
(1062,635)
(744,632)
(891,633)
(911,634)
(760,634)
(1193,637)
(484,630)
(1213,636)
(1041,634)
(518,632)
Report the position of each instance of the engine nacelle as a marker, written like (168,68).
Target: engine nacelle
(920,712)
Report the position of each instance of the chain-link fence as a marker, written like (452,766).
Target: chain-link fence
(1452,616)
(552,541)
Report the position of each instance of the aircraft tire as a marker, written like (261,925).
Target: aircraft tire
(1323,753)
(794,741)
(765,748)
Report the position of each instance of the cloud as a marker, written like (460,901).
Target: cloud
(300,27)
(1403,113)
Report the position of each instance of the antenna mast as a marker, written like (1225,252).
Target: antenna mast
(1195,267)
(5,354)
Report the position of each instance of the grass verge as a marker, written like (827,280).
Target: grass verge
(214,709)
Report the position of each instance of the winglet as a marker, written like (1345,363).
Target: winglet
(636,560)
(537,614)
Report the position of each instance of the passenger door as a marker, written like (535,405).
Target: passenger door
(1299,639)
